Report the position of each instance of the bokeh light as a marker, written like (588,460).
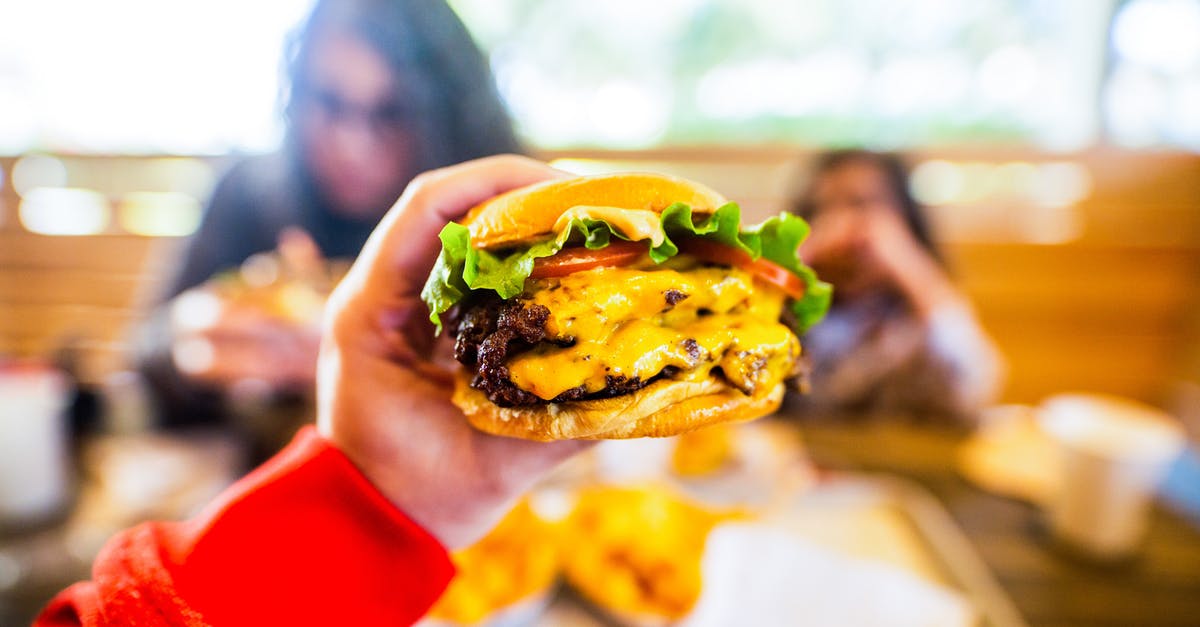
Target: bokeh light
(33,171)
(64,211)
(1160,34)
(1047,185)
(195,310)
(936,182)
(159,214)
(1152,96)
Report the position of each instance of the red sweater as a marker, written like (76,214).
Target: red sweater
(303,540)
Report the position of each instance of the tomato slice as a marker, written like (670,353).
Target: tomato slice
(622,253)
(764,269)
(572,260)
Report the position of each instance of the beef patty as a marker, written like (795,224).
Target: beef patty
(490,331)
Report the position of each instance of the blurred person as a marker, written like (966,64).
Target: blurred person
(900,338)
(378,90)
(350,524)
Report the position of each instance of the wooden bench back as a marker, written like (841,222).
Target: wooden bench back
(1106,303)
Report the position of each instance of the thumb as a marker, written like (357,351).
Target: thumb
(401,251)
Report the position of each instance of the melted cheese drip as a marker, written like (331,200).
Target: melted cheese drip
(623,326)
(635,224)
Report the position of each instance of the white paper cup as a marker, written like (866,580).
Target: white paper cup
(34,473)
(1113,453)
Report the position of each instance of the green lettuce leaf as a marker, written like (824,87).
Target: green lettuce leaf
(461,268)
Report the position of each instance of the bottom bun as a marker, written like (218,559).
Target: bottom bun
(663,408)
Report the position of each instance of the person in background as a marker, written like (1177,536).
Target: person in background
(350,524)
(900,338)
(378,90)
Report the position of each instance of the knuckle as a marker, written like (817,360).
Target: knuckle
(419,189)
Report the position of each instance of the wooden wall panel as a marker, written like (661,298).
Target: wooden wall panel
(1111,309)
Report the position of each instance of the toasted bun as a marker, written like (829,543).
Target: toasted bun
(661,409)
(528,213)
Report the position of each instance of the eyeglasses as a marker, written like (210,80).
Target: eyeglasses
(331,108)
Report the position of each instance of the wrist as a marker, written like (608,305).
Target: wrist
(451,503)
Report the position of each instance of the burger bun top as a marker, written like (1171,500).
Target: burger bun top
(529,213)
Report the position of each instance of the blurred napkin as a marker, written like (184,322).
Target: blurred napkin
(755,574)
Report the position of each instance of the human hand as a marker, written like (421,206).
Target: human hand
(871,250)
(858,245)
(382,396)
(242,344)
(259,325)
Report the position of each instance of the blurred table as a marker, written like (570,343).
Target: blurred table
(1051,589)
(125,479)
(1161,589)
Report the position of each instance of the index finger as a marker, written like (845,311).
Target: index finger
(405,243)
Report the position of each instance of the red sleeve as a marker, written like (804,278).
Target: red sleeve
(303,540)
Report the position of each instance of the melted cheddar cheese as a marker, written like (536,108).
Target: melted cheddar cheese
(622,324)
(635,224)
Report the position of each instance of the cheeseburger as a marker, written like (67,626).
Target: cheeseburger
(620,306)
